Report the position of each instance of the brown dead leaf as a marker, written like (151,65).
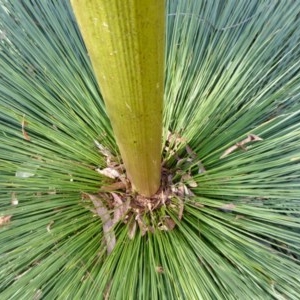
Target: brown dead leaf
(180,208)
(228,151)
(103,149)
(193,155)
(175,139)
(180,162)
(186,190)
(185,177)
(25,134)
(241,144)
(167,224)
(113,187)
(170,224)
(107,222)
(161,226)
(121,208)
(132,229)
(198,204)
(192,183)
(159,269)
(110,237)
(190,152)
(181,189)
(174,189)
(254,138)
(107,291)
(109,172)
(142,225)
(117,199)
(5,219)
(164,197)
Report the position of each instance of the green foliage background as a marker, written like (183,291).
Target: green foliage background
(232,69)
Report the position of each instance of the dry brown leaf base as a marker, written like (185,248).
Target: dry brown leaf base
(117,203)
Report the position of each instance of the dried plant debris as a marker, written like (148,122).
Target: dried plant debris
(174,143)
(132,226)
(159,269)
(114,169)
(189,180)
(49,226)
(147,214)
(116,202)
(115,186)
(228,207)
(14,199)
(120,208)
(241,144)
(109,172)
(4,220)
(25,134)
(103,150)
(107,221)
(166,224)
(107,290)
(177,148)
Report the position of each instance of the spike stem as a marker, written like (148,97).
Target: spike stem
(125,42)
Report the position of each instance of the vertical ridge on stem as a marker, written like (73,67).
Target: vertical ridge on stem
(125,42)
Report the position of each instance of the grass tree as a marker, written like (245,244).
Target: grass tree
(79,214)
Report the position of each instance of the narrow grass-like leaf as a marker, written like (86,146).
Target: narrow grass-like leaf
(231,71)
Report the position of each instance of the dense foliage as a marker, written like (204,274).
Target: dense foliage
(232,94)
